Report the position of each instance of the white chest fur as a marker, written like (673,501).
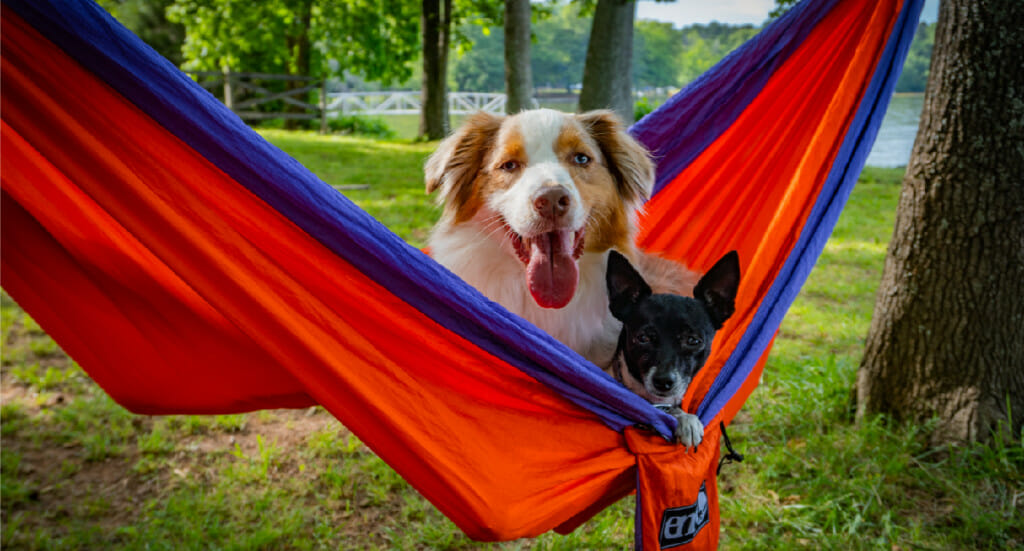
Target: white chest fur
(585,324)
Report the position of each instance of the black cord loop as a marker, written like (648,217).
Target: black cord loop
(730,457)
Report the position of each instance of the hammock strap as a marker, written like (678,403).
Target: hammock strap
(733,456)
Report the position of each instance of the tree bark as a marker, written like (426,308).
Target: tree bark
(299,47)
(518,76)
(436,24)
(947,337)
(608,71)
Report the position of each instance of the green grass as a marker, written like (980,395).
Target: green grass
(79,472)
(392,172)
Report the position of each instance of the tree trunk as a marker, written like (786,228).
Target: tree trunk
(608,71)
(947,337)
(436,22)
(518,77)
(299,48)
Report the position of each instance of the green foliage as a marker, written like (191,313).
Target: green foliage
(556,55)
(706,45)
(663,56)
(481,69)
(657,48)
(473,18)
(356,125)
(641,108)
(148,20)
(220,34)
(919,58)
(560,48)
(781,7)
(376,39)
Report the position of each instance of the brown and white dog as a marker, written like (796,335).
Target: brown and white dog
(532,204)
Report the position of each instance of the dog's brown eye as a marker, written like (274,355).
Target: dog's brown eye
(509,166)
(642,338)
(693,342)
(581,159)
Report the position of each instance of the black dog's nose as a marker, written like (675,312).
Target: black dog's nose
(662,383)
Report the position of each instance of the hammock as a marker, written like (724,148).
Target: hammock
(191,267)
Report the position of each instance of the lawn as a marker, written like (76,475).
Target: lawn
(80,472)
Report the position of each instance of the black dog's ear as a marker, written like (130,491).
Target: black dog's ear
(625,285)
(717,289)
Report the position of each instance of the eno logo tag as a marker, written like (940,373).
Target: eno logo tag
(680,525)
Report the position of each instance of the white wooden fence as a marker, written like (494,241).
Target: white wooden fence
(409,103)
(244,93)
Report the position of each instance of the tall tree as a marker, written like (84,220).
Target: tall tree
(376,39)
(607,73)
(947,338)
(436,22)
(297,40)
(518,78)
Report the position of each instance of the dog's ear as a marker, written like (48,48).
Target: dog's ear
(628,160)
(458,159)
(626,287)
(717,289)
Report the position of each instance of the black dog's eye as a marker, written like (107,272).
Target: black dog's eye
(581,159)
(642,338)
(693,342)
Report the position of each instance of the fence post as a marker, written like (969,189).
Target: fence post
(323,105)
(228,100)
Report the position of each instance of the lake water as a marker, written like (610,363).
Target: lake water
(896,135)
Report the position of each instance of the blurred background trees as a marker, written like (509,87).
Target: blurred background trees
(363,45)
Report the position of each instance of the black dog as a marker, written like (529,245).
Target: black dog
(666,338)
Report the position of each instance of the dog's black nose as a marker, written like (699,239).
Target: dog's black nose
(552,203)
(662,383)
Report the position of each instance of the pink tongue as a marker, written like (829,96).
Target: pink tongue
(551,272)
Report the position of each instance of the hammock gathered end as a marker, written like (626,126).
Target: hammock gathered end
(191,267)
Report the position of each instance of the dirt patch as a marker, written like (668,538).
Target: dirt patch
(54,481)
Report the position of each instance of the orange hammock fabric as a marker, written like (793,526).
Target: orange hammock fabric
(189,266)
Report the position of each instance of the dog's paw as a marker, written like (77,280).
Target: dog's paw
(689,430)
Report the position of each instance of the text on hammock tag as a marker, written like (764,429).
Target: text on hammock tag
(680,525)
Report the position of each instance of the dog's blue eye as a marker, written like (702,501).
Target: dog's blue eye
(581,159)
